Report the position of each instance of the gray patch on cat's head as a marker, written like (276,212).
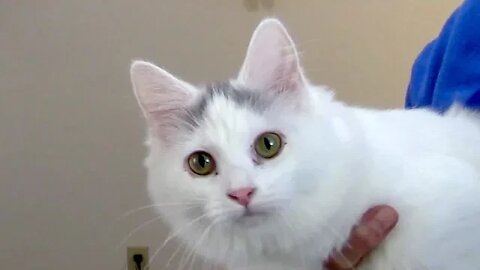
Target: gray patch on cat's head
(242,97)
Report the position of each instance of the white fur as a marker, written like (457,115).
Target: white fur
(337,162)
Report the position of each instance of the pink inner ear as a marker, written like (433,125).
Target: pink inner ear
(290,77)
(162,97)
(167,118)
(272,61)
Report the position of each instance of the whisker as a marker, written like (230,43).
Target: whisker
(183,227)
(200,239)
(182,259)
(138,228)
(173,235)
(180,245)
(195,255)
(145,207)
(130,212)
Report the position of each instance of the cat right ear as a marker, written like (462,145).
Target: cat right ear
(161,96)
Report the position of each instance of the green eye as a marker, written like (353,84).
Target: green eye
(268,145)
(201,163)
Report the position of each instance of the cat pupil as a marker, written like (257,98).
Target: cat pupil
(268,143)
(202,161)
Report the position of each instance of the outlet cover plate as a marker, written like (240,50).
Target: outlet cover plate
(137,250)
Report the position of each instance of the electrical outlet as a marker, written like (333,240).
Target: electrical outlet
(131,251)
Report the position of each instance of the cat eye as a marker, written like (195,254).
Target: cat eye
(201,163)
(268,145)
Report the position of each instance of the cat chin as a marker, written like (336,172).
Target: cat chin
(252,219)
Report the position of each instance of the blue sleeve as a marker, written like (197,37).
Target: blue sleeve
(448,69)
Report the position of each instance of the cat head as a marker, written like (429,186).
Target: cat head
(234,152)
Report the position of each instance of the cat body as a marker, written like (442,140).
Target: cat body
(334,162)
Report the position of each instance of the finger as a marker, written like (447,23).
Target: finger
(374,226)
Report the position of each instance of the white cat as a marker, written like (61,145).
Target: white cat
(272,173)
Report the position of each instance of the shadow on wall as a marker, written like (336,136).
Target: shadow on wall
(255,5)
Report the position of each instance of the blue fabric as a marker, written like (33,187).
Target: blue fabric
(448,69)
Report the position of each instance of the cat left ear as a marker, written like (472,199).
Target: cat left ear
(272,61)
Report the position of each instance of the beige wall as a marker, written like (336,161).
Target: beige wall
(71,133)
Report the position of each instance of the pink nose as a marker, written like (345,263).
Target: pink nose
(242,196)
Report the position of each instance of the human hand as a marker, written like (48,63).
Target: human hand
(374,226)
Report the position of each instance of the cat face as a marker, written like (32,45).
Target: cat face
(237,160)
(228,153)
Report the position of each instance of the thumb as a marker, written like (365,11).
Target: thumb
(374,226)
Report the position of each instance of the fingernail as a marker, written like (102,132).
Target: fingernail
(371,214)
(387,217)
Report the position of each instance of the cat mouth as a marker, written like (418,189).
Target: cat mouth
(251,217)
(251,213)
